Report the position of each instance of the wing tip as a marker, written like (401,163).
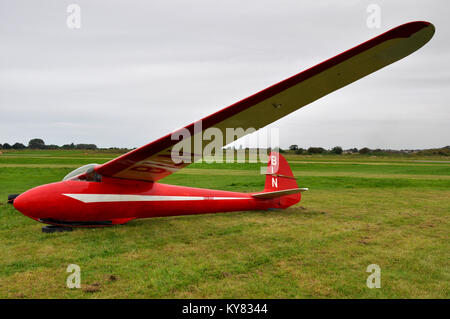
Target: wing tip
(408,29)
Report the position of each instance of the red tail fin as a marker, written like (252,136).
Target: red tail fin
(279,177)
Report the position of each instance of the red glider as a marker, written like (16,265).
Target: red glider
(126,187)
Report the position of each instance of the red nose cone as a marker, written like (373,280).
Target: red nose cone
(48,202)
(18,203)
(22,204)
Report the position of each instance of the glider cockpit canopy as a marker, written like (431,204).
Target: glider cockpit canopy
(85,170)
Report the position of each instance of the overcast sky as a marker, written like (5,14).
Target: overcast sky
(136,70)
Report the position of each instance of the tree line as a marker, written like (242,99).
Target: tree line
(39,144)
(365,150)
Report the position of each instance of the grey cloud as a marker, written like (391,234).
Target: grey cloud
(138,69)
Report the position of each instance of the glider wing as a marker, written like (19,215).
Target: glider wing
(154,161)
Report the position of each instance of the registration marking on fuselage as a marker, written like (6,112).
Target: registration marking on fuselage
(106,198)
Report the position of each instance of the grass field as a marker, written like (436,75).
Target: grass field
(360,210)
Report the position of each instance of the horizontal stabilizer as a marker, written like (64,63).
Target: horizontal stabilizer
(279,193)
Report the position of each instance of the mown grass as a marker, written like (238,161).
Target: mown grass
(395,216)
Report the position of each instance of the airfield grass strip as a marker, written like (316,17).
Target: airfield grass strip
(354,215)
(235,251)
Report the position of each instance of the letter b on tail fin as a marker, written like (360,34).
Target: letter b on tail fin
(279,175)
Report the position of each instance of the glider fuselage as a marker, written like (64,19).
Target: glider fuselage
(116,201)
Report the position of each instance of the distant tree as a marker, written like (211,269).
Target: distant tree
(293,147)
(18,146)
(316,150)
(443,151)
(68,146)
(299,151)
(86,146)
(354,150)
(36,143)
(364,150)
(336,150)
(6,146)
(52,147)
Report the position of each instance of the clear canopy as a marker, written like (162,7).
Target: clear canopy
(78,171)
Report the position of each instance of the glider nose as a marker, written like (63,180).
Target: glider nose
(20,202)
(24,203)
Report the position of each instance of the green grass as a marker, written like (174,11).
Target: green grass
(360,210)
